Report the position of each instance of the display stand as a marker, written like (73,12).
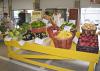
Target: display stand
(49,52)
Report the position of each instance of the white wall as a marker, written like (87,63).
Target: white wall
(28,4)
(22,4)
(56,4)
(6,6)
(86,3)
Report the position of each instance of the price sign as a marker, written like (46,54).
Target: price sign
(36,15)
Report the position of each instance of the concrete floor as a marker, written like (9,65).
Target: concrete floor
(7,64)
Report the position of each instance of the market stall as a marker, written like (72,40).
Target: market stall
(53,42)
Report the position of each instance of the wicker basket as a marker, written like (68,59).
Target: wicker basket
(63,43)
(89,32)
(53,31)
(38,30)
(59,43)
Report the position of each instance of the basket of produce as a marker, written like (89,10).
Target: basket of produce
(15,34)
(89,29)
(41,35)
(21,33)
(63,40)
(52,31)
(38,26)
(28,36)
(38,30)
(69,27)
(24,27)
(88,43)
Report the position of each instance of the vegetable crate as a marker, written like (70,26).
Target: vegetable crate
(38,30)
(91,44)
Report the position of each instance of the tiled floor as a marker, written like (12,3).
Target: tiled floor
(12,65)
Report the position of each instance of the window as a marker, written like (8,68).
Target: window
(16,12)
(91,15)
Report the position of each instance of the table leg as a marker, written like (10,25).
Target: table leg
(91,66)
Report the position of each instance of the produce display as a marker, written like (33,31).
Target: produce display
(24,27)
(69,27)
(37,24)
(89,29)
(38,27)
(21,32)
(88,40)
(89,26)
(67,24)
(88,43)
(28,36)
(64,35)
(41,35)
(15,34)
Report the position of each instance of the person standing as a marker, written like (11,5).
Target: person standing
(7,22)
(22,18)
(57,17)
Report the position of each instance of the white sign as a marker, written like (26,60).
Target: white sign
(72,21)
(67,28)
(36,15)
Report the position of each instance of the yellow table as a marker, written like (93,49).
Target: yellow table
(49,52)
